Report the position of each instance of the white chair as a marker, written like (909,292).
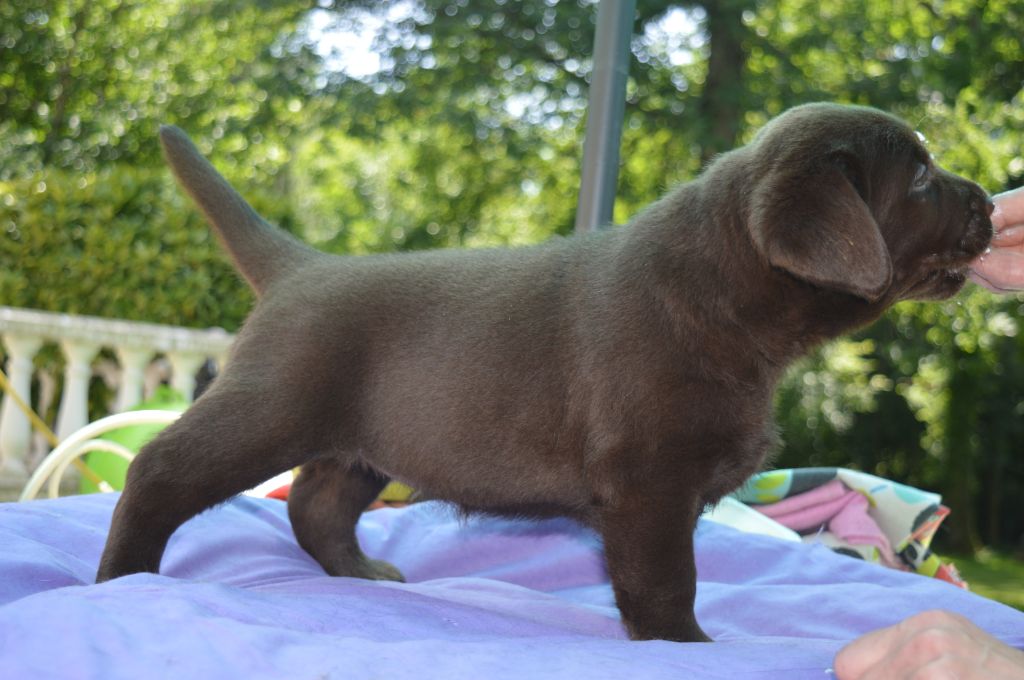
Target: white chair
(88,439)
(85,440)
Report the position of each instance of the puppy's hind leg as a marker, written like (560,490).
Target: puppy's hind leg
(218,448)
(324,504)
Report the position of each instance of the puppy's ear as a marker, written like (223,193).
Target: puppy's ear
(819,229)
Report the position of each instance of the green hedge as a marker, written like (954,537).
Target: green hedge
(121,243)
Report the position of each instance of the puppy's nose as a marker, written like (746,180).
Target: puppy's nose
(989,207)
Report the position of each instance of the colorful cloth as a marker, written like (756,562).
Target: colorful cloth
(855,513)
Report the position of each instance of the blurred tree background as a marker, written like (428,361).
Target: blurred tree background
(461,123)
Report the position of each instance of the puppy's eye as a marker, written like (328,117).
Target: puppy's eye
(922,176)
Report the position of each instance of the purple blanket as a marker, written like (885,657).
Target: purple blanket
(486,598)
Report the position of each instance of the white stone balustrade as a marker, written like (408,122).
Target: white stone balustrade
(136,345)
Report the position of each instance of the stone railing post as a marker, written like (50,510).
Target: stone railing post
(15,429)
(184,366)
(133,362)
(74,402)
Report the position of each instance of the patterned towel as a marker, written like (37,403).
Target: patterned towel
(855,513)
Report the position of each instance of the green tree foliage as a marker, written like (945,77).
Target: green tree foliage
(84,82)
(469,134)
(121,242)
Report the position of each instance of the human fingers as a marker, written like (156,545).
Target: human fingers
(888,652)
(1009,208)
(1001,270)
(866,652)
(933,644)
(953,651)
(974,276)
(1009,237)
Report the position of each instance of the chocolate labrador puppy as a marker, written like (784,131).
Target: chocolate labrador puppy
(622,378)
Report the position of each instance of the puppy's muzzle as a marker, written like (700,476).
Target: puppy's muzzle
(979,226)
(947,269)
(977,231)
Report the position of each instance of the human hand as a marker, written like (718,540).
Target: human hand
(1001,267)
(931,645)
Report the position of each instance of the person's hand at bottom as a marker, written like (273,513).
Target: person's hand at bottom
(931,645)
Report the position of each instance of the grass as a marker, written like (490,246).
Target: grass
(994,575)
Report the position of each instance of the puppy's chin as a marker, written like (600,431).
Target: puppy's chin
(939,284)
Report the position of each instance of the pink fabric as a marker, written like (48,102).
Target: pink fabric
(843,511)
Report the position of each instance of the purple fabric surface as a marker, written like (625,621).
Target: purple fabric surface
(486,598)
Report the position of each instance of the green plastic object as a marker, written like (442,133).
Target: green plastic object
(112,468)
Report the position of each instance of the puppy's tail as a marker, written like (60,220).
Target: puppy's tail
(261,251)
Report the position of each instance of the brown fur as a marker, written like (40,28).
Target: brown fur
(623,378)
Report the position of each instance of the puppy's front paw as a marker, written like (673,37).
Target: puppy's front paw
(676,631)
(361,566)
(119,560)
(378,570)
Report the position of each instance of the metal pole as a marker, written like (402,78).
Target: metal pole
(605,108)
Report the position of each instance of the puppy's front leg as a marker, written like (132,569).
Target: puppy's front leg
(649,549)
